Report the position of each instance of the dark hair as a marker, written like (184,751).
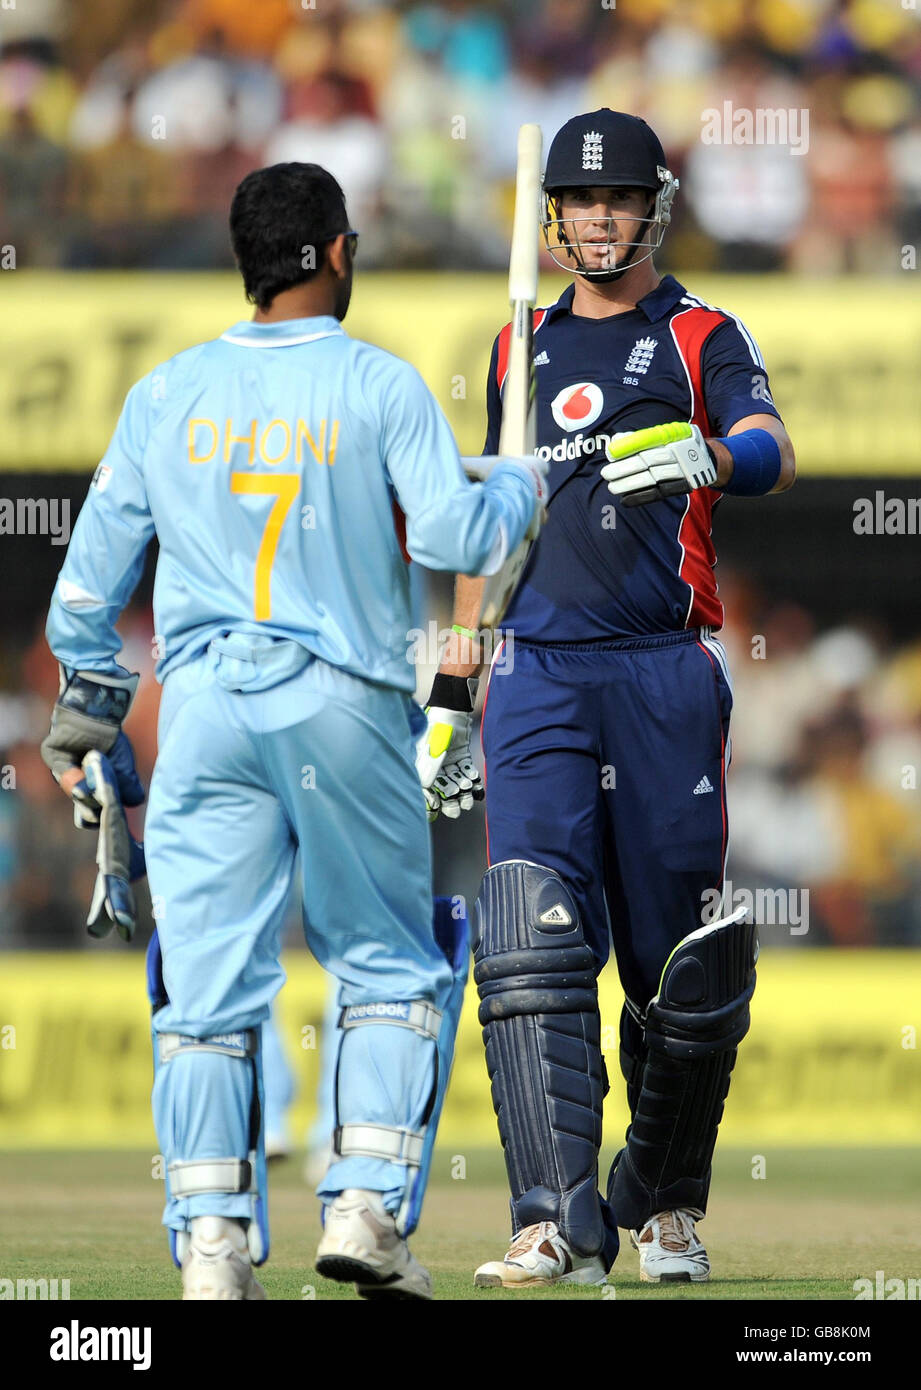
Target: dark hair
(276,213)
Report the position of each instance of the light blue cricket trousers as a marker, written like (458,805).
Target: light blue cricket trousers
(263,749)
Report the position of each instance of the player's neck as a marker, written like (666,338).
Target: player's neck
(594,301)
(312,301)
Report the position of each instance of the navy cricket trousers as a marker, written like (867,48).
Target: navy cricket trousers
(607,763)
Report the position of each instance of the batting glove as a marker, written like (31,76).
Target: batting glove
(450,781)
(663,461)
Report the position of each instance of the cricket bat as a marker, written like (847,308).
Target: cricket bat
(517,430)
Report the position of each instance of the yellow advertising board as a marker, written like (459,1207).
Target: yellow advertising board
(844,355)
(832,1056)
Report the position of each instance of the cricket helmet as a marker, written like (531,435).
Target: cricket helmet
(605,149)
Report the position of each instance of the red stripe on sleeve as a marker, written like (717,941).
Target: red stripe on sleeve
(690,330)
(505,338)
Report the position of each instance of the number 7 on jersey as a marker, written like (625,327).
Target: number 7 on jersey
(284,487)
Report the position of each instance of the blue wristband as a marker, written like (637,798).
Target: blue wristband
(756,463)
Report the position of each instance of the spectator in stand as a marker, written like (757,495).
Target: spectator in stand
(253,28)
(33,192)
(33,76)
(749,196)
(207,99)
(329,123)
(206,181)
(99,111)
(871,894)
(468,41)
(124,200)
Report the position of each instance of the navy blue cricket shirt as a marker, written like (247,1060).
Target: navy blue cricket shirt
(600,570)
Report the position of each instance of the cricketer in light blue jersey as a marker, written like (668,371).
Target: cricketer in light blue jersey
(273,464)
(283,468)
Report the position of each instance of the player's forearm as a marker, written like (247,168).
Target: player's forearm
(772,426)
(787,455)
(463,652)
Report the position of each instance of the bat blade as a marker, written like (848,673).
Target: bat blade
(517,430)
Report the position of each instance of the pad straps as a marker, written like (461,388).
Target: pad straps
(380,1141)
(243,1044)
(417,1014)
(192,1177)
(390,1142)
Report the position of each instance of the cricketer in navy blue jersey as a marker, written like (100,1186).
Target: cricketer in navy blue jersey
(605,733)
(649,569)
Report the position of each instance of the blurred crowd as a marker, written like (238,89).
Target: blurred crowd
(125,127)
(825,779)
(824,786)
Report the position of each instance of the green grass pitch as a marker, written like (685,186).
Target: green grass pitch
(818,1220)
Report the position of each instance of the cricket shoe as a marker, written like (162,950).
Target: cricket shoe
(361,1245)
(216,1263)
(670,1252)
(540,1255)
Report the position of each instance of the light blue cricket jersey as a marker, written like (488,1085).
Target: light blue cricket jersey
(278,466)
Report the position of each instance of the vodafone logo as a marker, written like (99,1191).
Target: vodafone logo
(577,406)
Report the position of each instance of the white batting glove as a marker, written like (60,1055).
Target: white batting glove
(662,461)
(450,781)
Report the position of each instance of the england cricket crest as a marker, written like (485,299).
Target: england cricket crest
(592,156)
(640,358)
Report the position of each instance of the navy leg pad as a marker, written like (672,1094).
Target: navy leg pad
(693,1027)
(539,1011)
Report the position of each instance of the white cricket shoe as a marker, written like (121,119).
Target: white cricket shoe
(361,1245)
(540,1255)
(670,1252)
(216,1262)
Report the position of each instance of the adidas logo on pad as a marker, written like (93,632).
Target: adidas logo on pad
(704,785)
(557,916)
